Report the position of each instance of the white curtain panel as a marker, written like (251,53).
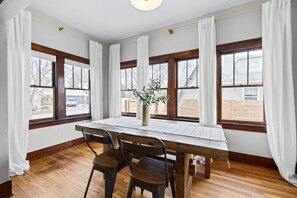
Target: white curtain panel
(114,81)
(96,80)
(142,67)
(207,70)
(278,85)
(19,53)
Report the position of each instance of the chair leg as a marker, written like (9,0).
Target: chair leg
(131,187)
(142,189)
(162,191)
(158,192)
(172,185)
(110,178)
(90,178)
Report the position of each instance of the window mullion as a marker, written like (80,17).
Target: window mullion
(60,106)
(172,88)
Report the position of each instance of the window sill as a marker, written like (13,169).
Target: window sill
(51,122)
(244,127)
(164,117)
(226,125)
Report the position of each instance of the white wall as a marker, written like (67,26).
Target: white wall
(68,40)
(71,41)
(242,26)
(234,28)
(4,159)
(49,136)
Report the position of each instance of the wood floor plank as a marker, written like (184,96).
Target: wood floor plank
(65,174)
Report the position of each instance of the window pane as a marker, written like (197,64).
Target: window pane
(156,72)
(77,77)
(182,73)
(123,79)
(227,69)
(192,73)
(255,67)
(128,102)
(129,78)
(68,76)
(188,103)
(34,72)
(134,77)
(164,75)
(46,72)
(85,78)
(77,102)
(42,103)
(241,68)
(161,108)
(243,104)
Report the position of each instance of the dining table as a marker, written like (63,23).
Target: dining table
(186,139)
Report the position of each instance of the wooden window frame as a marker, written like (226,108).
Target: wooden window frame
(166,88)
(229,48)
(128,67)
(81,89)
(53,86)
(185,88)
(59,91)
(171,59)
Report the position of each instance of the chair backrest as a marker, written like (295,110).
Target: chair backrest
(97,135)
(144,146)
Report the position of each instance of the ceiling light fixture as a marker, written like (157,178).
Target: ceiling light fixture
(146,5)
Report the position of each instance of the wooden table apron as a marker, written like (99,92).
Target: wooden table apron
(184,149)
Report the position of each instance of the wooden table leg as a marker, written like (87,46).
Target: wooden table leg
(207,167)
(183,179)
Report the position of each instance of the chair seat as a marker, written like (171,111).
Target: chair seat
(108,159)
(151,171)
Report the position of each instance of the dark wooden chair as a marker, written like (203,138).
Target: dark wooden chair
(149,173)
(108,162)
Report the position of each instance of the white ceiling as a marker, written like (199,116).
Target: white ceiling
(112,20)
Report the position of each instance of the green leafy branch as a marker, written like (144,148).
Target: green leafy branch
(151,94)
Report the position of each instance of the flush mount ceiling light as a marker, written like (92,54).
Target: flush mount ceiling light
(146,5)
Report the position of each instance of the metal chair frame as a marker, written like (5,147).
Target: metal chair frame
(145,146)
(102,136)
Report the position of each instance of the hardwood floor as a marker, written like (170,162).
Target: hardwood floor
(65,174)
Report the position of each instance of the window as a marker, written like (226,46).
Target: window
(241,87)
(60,90)
(188,89)
(159,72)
(164,69)
(42,86)
(77,89)
(128,84)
